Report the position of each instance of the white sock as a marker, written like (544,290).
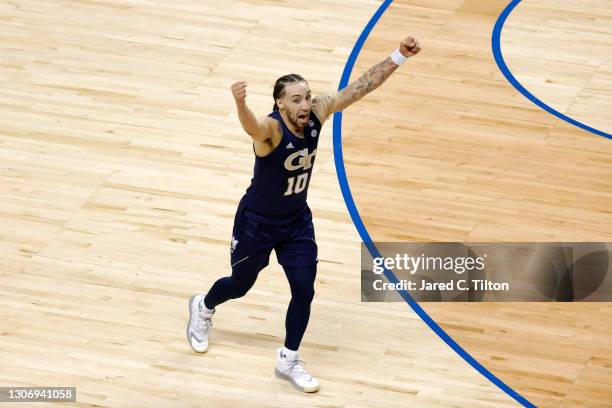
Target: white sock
(204,308)
(288,355)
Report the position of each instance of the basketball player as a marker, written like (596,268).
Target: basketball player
(273,213)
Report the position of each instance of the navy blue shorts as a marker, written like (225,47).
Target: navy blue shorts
(253,241)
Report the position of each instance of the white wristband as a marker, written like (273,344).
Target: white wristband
(397,57)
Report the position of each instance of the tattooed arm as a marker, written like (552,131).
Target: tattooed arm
(369,81)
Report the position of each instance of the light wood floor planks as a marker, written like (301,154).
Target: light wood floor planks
(562,53)
(459,155)
(123,161)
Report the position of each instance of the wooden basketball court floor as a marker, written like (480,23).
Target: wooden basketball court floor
(123,162)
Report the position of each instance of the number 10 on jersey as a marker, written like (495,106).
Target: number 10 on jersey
(296,184)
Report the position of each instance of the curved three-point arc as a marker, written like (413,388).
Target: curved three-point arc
(354,213)
(499,59)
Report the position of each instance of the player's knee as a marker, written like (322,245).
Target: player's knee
(309,295)
(301,281)
(304,294)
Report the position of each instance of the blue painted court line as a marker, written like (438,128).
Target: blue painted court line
(350,204)
(499,59)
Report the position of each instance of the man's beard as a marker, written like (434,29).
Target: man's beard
(294,122)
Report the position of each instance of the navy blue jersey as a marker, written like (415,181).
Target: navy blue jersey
(279,186)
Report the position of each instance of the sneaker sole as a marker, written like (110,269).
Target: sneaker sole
(282,376)
(191,299)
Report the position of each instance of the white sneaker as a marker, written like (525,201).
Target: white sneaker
(199,325)
(294,372)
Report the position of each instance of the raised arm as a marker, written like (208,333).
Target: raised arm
(259,129)
(370,80)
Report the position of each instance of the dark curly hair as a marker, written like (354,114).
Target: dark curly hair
(279,86)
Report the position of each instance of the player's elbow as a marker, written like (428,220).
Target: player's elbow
(344,99)
(259,131)
(257,136)
(339,106)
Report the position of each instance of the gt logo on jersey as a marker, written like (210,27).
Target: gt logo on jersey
(304,160)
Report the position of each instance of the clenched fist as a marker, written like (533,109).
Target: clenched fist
(409,47)
(239,91)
